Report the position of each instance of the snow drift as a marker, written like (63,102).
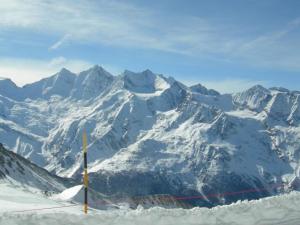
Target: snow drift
(283,210)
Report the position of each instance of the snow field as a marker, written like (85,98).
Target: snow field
(283,210)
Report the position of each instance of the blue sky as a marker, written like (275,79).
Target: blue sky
(228,45)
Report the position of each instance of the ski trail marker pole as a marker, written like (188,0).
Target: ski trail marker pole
(85,174)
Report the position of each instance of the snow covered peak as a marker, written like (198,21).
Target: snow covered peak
(257,89)
(86,84)
(96,71)
(144,82)
(283,107)
(92,82)
(6,81)
(59,84)
(198,88)
(64,75)
(139,79)
(279,89)
(9,89)
(4,78)
(255,98)
(65,71)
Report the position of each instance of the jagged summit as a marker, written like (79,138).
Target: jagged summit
(198,88)
(9,89)
(92,82)
(64,71)
(4,78)
(59,84)
(96,69)
(257,89)
(144,82)
(64,83)
(255,97)
(280,89)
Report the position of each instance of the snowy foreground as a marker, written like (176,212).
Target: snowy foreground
(275,210)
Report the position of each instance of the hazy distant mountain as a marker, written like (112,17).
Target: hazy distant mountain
(151,134)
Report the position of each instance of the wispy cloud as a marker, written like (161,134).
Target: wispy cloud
(110,23)
(60,42)
(278,49)
(116,23)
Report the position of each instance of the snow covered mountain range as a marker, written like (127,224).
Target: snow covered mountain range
(150,134)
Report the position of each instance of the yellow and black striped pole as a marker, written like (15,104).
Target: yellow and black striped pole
(85,174)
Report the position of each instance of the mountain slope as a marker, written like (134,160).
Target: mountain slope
(19,171)
(149,134)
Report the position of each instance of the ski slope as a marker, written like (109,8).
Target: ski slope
(283,210)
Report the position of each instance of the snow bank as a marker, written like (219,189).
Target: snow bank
(70,193)
(283,210)
(76,194)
